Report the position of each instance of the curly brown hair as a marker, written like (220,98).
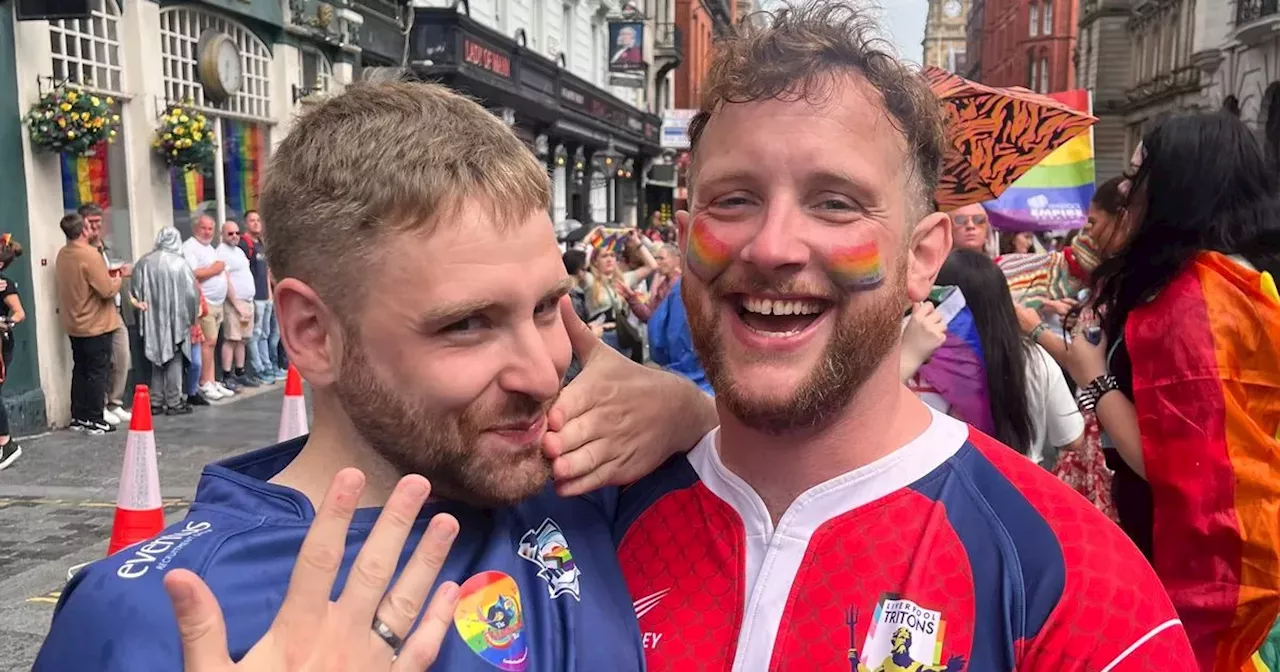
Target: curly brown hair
(798,53)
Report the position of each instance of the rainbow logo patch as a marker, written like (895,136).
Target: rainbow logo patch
(856,268)
(707,256)
(490,620)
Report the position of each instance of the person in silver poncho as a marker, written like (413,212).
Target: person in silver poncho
(166,285)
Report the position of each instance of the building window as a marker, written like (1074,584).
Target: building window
(316,71)
(539,25)
(1048,17)
(241,123)
(86,52)
(1034,27)
(1044,74)
(1032,79)
(180,31)
(566,34)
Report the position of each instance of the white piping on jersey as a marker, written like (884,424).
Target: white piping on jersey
(1141,640)
(774,555)
(646,604)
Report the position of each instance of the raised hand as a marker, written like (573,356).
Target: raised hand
(618,420)
(313,634)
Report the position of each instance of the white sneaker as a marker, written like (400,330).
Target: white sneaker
(226,391)
(211,392)
(123,415)
(110,417)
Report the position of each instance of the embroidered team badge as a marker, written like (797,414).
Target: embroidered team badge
(903,637)
(547,548)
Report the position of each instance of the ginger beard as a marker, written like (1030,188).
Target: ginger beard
(450,448)
(860,340)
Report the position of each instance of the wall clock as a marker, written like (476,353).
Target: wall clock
(219,66)
(952,9)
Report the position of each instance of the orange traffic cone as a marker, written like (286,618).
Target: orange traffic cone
(293,418)
(139,512)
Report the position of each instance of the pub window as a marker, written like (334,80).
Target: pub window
(317,72)
(86,52)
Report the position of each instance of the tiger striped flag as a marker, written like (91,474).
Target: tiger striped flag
(1206,387)
(1055,194)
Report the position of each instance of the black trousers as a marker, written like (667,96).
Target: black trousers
(6,351)
(90,377)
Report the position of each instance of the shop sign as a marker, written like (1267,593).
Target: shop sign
(476,54)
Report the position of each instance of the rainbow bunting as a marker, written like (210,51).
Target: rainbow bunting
(1207,393)
(957,370)
(84,179)
(1055,194)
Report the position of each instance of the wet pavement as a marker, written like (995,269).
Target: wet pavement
(57,502)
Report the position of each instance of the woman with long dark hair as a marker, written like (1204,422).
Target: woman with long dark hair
(1031,406)
(1184,373)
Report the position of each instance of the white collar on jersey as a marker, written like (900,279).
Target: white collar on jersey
(774,556)
(940,440)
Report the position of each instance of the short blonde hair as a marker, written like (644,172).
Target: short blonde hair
(383,157)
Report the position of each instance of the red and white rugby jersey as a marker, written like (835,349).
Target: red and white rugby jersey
(954,553)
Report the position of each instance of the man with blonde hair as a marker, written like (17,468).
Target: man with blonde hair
(418,291)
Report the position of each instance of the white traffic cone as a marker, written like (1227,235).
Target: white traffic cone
(293,417)
(139,511)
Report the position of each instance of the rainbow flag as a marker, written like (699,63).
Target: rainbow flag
(187,189)
(1206,386)
(244,157)
(957,370)
(85,180)
(610,239)
(1055,194)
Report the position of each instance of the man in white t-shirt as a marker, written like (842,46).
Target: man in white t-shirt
(211,272)
(238,313)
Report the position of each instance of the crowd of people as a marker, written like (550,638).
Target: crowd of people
(824,507)
(181,299)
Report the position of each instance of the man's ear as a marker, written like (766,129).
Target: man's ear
(310,332)
(930,244)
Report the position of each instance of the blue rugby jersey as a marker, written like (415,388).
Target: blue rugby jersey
(541,585)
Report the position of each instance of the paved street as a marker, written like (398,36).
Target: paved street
(56,503)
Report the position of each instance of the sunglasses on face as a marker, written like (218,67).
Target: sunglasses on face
(960,221)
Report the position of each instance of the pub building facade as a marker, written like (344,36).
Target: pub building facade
(596,147)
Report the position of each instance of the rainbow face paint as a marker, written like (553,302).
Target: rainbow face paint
(856,268)
(706,255)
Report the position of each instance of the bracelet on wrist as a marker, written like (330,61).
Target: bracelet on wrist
(1091,394)
(1034,335)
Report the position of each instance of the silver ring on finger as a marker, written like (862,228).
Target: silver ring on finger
(383,631)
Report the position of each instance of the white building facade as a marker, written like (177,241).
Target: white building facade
(543,65)
(144,56)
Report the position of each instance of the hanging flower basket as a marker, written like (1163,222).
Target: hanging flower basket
(185,139)
(71,121)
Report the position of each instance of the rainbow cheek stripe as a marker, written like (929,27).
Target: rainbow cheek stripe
(490,620)
(856,268)
(706,255)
